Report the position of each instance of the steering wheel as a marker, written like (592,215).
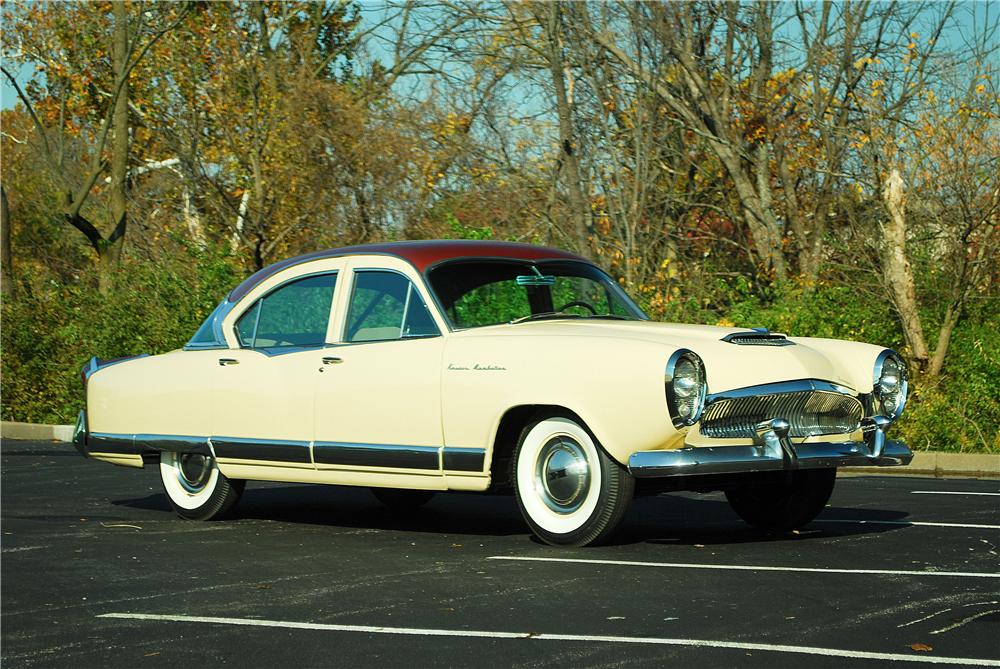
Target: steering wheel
(578,303)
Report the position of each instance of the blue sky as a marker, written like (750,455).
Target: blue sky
(970,16)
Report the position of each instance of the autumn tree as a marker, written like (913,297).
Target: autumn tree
(926,144)
(84,61)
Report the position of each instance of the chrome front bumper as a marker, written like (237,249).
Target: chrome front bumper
(774,451)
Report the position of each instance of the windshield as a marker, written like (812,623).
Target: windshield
(476,293)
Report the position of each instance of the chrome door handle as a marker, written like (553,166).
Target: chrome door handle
(228,361)
(330,360)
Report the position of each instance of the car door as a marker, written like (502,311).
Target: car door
(378,403)
(264,390)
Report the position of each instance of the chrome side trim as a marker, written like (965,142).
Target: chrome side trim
(108,442)
(458,459)
(282,450)
(241,448)
(275,351)
(746,459)
(376,455)
(207,346)
(137,444)
(173,443)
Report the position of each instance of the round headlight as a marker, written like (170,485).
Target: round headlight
(891,385)
(686,387)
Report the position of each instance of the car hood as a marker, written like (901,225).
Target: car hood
(727,365)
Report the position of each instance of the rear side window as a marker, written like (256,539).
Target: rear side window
(385,306)
(295,314)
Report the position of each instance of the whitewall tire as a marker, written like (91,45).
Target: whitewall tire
(569,491)
(195,487)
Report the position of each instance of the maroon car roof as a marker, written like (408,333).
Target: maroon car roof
(420,254)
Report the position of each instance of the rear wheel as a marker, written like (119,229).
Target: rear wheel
(569,491)
(399,499)
(783,502)
(195,487)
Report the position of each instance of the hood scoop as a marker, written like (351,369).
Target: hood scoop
(757,337)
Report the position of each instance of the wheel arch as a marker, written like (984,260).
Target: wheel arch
(509,428)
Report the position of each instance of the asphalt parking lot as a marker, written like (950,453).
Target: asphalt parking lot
(98,572)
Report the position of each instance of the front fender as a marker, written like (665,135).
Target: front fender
(616,390)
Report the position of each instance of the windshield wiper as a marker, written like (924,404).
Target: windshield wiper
(544,315)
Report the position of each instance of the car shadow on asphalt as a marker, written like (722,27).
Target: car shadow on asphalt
(701,521)
(662,519)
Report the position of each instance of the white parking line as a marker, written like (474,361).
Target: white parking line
(491,634)
(914,523)
(744,567)
(952,492)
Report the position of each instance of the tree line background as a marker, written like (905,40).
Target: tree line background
(822,169)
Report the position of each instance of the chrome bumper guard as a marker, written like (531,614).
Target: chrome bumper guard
(774,451)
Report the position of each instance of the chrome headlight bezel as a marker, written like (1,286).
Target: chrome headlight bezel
(902,385)
(681,360)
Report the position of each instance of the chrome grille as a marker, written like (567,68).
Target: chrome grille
(809,412)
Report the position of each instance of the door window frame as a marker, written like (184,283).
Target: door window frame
(253,299)
(415,286)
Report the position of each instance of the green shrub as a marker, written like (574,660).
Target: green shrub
(959,411)
(50,329)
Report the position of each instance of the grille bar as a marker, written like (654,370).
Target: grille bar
(808,412)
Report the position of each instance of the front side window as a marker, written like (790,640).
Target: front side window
(476,293)
(386,306)
(295,314)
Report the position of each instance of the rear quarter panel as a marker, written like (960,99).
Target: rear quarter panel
(167,394)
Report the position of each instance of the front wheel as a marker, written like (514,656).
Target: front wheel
(195,487)
(785,502)
(569,491)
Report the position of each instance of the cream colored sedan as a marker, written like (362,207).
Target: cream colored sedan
(417,367)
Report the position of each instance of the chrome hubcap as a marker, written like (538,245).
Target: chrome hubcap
(193,471)
(562,475)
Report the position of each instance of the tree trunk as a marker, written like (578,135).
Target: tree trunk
(568,164)
(111,248)
(765,231)
(808,267)
(710,118)
(951,317)
(6,261)
(896,269)
(966,280)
